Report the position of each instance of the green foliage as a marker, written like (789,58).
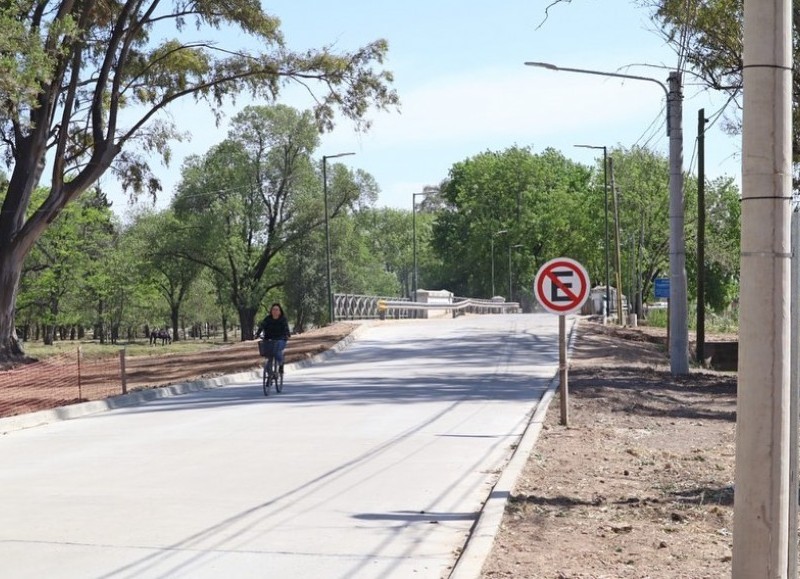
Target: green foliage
(539,201)
(709,34)
(63,260)
(256,194)
(68,72)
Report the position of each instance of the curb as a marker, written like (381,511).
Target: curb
(481,538)
(42,417)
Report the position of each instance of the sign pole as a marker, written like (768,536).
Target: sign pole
(562,369)
(562,287)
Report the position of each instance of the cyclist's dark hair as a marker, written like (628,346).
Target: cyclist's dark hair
(280,307)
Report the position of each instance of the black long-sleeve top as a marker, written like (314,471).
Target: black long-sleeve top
(272,329)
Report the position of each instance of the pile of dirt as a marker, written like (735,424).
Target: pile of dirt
(639,483)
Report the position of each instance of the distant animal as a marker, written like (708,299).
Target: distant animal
(162,335)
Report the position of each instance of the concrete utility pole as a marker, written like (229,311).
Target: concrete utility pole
(678,307)
(762,495)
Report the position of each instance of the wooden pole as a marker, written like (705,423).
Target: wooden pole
(562,369)
(122,371)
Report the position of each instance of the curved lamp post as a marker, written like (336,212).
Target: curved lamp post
(678,306)
(328,230)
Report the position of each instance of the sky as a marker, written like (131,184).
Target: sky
(464,89)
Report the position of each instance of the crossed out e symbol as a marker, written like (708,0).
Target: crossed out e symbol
(558,289)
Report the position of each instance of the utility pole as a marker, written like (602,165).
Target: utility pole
(761,509)
(701,235)
(617,248)
(678,307)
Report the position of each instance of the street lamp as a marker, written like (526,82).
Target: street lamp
(510,292)
(414,227)
(605,190)
(328,229)
(501,232)
(678,315)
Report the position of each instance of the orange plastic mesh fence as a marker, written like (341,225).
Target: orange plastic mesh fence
(57,381)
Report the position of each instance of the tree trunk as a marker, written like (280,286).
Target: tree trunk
(247,318)
(10,271)
(174,318)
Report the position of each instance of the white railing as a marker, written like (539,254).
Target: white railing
(359,307)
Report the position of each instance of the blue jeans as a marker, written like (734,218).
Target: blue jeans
(280,346)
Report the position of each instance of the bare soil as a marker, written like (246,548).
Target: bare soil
(639,483)
(161,370)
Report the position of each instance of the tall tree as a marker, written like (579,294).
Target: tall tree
(71,68)
(496,200)
(161,241)
(256,193)
(64,256)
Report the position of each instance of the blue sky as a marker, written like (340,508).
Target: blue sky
(464,89)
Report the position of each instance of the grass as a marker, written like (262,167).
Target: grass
(93,349)
(724,323)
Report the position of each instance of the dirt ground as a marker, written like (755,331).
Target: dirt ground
(161,370)
(639,483)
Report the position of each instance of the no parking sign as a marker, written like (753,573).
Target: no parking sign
(561,286)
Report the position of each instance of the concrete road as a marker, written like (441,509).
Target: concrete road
(374,463)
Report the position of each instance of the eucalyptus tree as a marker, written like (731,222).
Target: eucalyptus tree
(69,70)
(253,195)
(641,177)
(305,286)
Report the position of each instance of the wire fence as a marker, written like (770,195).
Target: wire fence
(69,378)
(59,380)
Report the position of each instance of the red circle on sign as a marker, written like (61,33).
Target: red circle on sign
(548,275)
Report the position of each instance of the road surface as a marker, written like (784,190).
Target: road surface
(373,463)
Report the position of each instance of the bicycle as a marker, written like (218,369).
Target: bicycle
(271,374)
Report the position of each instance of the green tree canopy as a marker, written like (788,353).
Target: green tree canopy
(72,68)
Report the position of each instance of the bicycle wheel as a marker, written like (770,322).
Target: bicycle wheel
(265,378)
(278,381)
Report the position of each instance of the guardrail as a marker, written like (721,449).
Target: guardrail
(359,307)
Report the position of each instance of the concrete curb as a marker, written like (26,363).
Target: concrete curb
(42,417)
(482,536)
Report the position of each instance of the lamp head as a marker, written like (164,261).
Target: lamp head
(546,65)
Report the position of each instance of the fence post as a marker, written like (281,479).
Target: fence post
(122,371)
(80,393)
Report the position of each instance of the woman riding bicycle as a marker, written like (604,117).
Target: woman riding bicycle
(275,327)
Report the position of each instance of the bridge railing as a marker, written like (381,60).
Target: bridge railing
(359,307)
(362,307)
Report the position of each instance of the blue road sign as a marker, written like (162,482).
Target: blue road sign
(661,287)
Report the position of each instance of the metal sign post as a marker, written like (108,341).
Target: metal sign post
(562,286)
